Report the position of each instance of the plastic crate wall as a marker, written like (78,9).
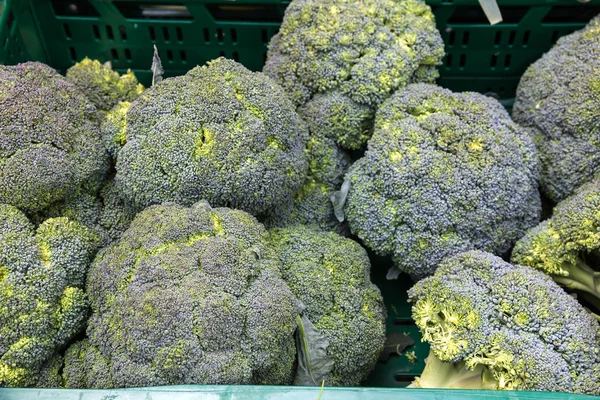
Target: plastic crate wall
(479,57)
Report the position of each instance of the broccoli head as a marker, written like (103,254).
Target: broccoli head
(104,212)
(494,325)
(444,173)
(187,295)
(330,274)
(567,246)
(558,99)
(103,86)
(311,205)
(42,302)
(49,142)
(339,59)
(220,133)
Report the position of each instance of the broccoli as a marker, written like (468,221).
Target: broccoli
(220,133)
(103,86)
(186,295)
(494,325)
(311,205)
(114,128)
(330,274)
(339,59)
(104,212)
(557,100)
(50,142)
(444,173)
(567,246)
(42,302)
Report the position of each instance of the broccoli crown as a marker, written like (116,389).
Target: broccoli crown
(187,295)
(567,246)
(558,99)
(513,321)
(444,173)
(339,59)
(220,133)
(114,128)
(311,205)
(104,212)
(103,86)
(49,143)
(330,274)
(42,304)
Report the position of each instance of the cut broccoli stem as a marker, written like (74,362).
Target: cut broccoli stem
(439,374)
(580,277)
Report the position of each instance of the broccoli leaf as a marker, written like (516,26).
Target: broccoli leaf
(157,68)
(338,199)
(314,364)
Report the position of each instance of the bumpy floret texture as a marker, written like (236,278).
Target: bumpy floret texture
(311,205)
(567,246)
(49,142)
(558,100)
(339,59)
(104,212)
(187,295)
(444,173)
(330,274)
(220,133)
(512,320)
(114,128)
(42,302)
(103,86)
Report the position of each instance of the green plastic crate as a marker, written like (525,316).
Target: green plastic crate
(480,57)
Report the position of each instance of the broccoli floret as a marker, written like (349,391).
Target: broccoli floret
(104,212)
(42,302)
(187,295)
(494,325)
(558,99)
(567,246)
(114,128)
(330,274)
(444,173)
(327,164)
(103,86)
(50,142)
(339,59)
(220,133)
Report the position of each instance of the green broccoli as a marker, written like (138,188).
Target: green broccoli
(42,302)
(114,128)
(567,246)
(104,212)
(330,274)
(339,59)
(103,86)
(444,173)
(494,325)
(558,99)
(50,141)
(220,133)
(186,295)
(311,205)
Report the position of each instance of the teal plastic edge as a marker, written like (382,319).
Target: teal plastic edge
(229,392)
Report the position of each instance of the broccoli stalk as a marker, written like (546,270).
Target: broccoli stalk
(439,374)
(580,276)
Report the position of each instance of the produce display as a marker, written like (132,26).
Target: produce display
(225,226)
